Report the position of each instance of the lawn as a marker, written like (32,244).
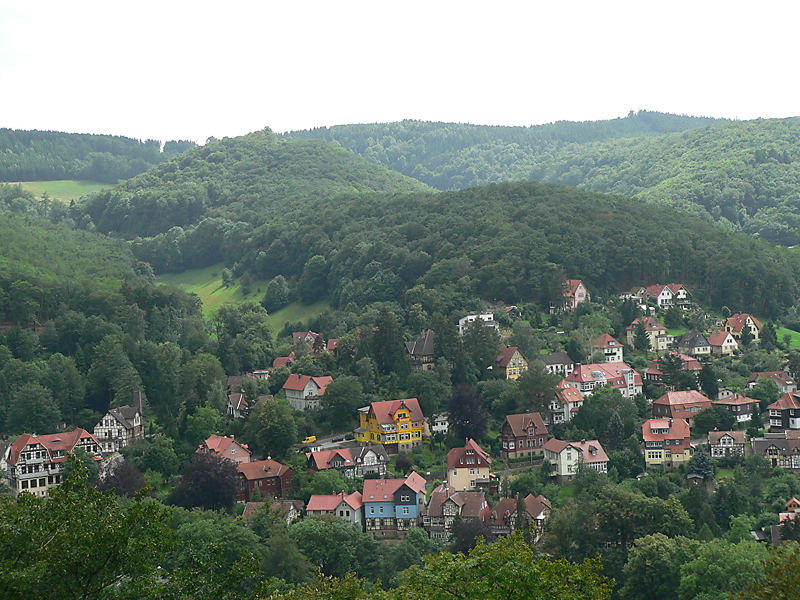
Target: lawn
(207,284)
(795,344)
(677,333)
(724,473)
(566,491)
(63,190)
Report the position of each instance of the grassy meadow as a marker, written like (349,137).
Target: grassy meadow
(207,284)
(63,190)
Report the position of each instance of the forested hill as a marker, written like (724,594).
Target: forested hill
(452,156)
(744,174)
(512,242)
(253,178)
(48,155)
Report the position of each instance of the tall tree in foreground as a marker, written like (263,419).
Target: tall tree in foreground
(468,417)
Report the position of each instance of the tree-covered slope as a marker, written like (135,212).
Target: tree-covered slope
(33,248)
(745,175)
(512,242)
(452,156)
(251,178)
(48,155)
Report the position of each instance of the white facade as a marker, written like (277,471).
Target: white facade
(487,318)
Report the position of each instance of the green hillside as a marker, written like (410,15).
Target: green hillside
(54,155)
(512,242)
(32,248)
(744,175)
(63,190)
(252,179)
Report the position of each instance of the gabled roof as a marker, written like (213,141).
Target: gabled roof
(735,400)
(322,459)
(65,442)
(237,400)
(262,469)
(383,490)
(251,509)
(456,458)
(682,397)
(677,429)
(780,377)
(606,341)
(331,344)
(506,354)
(736,322)
(693,339)
(571,286)
(650,324)
(655,290)
(423,345)
(537,506)
(715,436)
(304,336)
(556,358)
(568,393)
(284,361)
(470,504)
(386,409)
(613,374)
(297,383)
(591,450)
(717,338)
(360,452)
(218,444)
(787,401)
(330,502)
(125,415)
(520,423)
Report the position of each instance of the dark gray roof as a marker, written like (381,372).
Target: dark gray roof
(376,448)
(124,414)
(556,358)
(693,339)
(423,345)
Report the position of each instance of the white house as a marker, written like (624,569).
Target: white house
(565,456)
(303,392)
(487,318)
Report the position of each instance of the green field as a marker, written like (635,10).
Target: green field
(782,331)
(207,284)
(64,189)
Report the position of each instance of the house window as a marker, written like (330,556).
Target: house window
(381,510)
(405,510)
(472,471)
(372,510)
(405,498)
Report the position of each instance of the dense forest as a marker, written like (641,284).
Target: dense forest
(47,155)
(251,179)
(744,175)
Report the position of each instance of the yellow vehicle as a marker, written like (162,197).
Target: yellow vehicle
(309,439)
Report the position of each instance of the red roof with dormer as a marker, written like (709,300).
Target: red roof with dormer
(736,322)
(674,429)
(571,286)
(457,457)
(262,469)
(717,338)
(614,374)
(219,444)
(650,324)
(284,361)
(592,451)
(322,459)
(386,409)
(64,442)
(330,502)
(787,401)
(606,341)
(521,423)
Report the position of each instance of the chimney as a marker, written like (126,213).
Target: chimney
(137,401)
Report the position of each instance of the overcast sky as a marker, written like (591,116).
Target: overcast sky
(189,70)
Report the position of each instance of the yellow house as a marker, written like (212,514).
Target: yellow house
(510,363)
(397,424)
(735,324)
(468,468)
(666,443)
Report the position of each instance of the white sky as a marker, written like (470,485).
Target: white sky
(189,70)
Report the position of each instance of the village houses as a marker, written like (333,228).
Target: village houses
(565,457)
(667,442)
(303,392)
(611,348)
(397,424)
(469,468)
(523,435)
(121,425)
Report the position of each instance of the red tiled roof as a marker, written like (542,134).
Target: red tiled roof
(585,447)
(386,409)
(674,287)
(650,324)
(52,441)
(322,459)
(735,400)
(737,321)
(284,361)
(506,354)
(536,505)
(219,443)
(331,344)
(606,341)
(298,383)
(568,393)
(455,458)
(251,509)
(262,469)
(520,423)
(470,504)
(571,286)
(613,372)
(683,397)
(378,490)
(717,338)
(678,430)
(304,336)
(787,401)
(329,502)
